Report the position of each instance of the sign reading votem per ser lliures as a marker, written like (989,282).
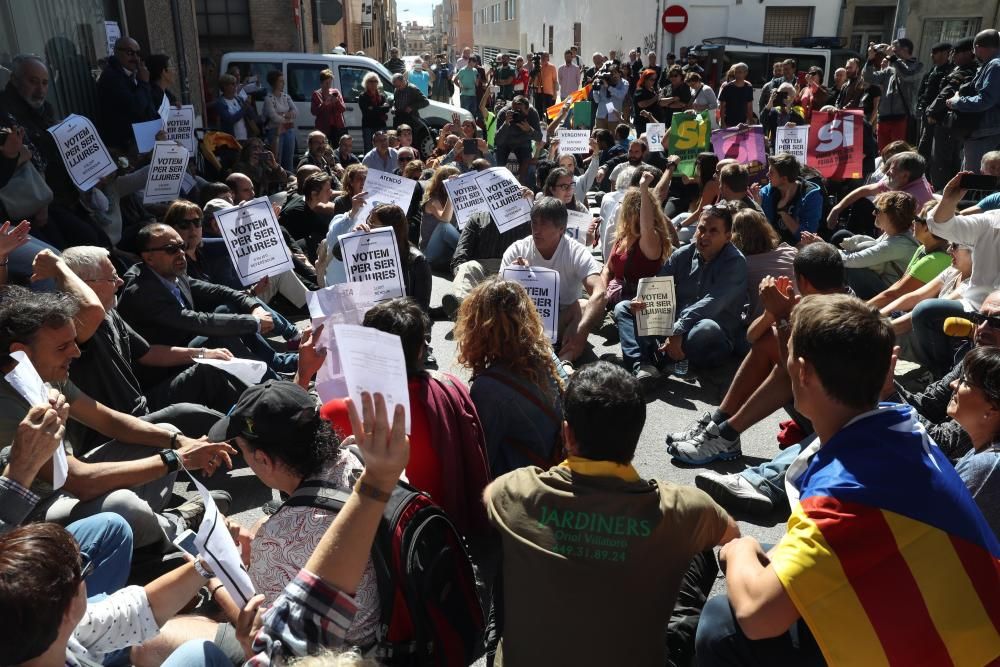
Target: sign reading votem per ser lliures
(542,286)
(659,301)
(254,240)
(466,197)
(502,193)
(86,158)
(374,256)
(180,126)
(166,173)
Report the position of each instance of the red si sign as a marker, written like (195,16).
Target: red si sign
(836,144)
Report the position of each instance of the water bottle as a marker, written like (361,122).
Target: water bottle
(681,368)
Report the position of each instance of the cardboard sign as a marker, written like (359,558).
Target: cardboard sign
(385,188)
(689,136)
(502,193)
(655,134)
(180,126)
(166,173)
(542,286)
(745,146)
(374,257)
(86,158)
(574,141)
(254,240)
(660,300)
(836,144)
(466,197)
(792,140)
(112,32)
(577,225)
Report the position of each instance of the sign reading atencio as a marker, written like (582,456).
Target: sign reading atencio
(254,240)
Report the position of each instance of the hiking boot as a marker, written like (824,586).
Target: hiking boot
(692,430)
(734,492)
(192,512)
(450,304)
(707,446)
(647,375)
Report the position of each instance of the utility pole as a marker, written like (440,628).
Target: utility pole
(902,10)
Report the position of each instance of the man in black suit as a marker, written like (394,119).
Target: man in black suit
(167,307)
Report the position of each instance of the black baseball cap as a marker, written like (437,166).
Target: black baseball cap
(941,46)
(273,412)
(961,45)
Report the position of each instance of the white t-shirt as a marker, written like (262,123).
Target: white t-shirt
(240,126)
(571,260)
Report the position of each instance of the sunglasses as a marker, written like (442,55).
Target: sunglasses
(405,159)
(171,249)
(992,321)
(86,569)
(187,223)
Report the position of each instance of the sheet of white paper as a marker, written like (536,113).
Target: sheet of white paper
(254,240)
(26,381)
(164,111)
(574,141)
(655,134)
(83,153)
(112,31)
(577,225)
(145,134)
(350,300)
(216,546)
(188,182)
(657,318)
(502,192)
(385,188)
(610,107)
(374,257)
(542,286)
(247,371)
(373,362)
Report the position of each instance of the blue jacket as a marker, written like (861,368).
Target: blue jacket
(715,290)
(807,208)
(986,99)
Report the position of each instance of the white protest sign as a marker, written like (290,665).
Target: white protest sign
(349,300)
(542,286)
(86,158)
(577,225)
(215,544)
(385,188)
(180,126)
(112,31)
(254,240)
(166,173)
(374,256)
(655,133)
(247,371)
(508,207)
(145,134)
(373,362)
(26,382)
(466,197)
(574,141)
(164,111)
(793,140)
(657,318)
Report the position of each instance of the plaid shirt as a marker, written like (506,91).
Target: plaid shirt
(16,502)
(309,616)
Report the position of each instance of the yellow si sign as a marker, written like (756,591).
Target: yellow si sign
(689,135)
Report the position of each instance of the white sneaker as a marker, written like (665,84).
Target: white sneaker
(692,430)
(733,492)
(707,446)
(647,374)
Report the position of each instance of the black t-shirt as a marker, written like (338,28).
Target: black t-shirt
(506,90)
(683,94)
(644,95)
(104,372)
(736,99)
(301,221)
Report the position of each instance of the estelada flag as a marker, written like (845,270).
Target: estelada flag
(574,97)
(836,144)
(886,556)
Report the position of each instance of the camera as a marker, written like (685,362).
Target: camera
(514,117)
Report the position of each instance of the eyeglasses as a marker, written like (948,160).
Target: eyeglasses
(405,159)
(113,279)
(562,186)
(171,249)
(992,321)
(187,223)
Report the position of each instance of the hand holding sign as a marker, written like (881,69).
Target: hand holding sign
(574,141)
(82,151)
(166,173)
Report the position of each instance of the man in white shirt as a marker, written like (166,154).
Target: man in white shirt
(381,157)
(549,247)
(569,76)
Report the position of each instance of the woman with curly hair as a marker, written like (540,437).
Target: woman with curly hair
(438,234)
(641,243)
(516,385)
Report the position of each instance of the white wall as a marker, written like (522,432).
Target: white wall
(625,24)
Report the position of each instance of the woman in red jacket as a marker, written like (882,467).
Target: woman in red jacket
(328,107)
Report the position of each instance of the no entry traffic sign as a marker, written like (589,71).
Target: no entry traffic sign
(674,19)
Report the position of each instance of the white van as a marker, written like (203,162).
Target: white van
(301,71)
(717,55)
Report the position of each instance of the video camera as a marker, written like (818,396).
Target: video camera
(603,75)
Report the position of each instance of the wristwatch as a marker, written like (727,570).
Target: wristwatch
(170,459)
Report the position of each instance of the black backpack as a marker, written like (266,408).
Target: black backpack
(430,611)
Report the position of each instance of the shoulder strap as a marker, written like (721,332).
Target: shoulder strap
(318,493)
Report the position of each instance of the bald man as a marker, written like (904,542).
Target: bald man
(124,96)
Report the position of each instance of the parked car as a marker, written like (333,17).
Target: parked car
(301,72)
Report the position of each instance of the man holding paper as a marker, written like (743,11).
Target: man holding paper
(124,95)
(549,247)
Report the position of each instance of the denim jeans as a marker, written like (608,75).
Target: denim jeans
(198,653)
(932,348)
(720,641)
(636,349)
(105,540)
(470,103)
(705,345)
(865,283)
(769,477)
(251,346)
(441,246)
(286,151)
